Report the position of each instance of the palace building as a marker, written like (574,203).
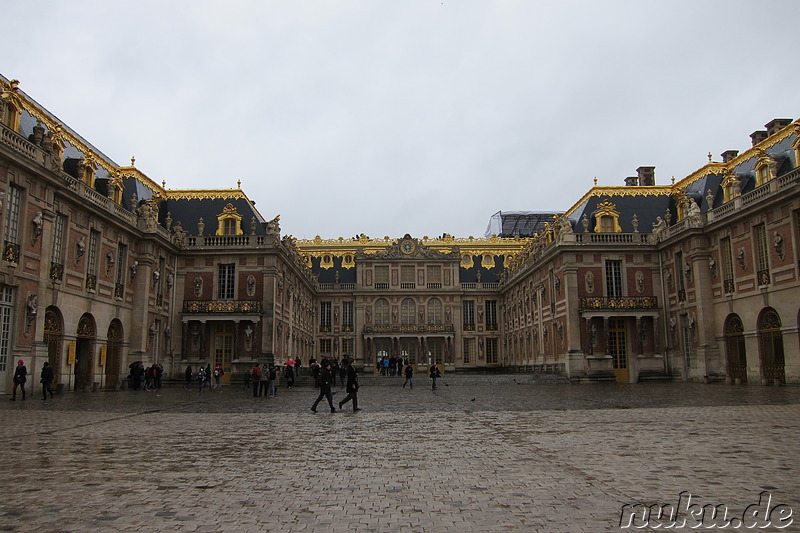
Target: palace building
(102,267)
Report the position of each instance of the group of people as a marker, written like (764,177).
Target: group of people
(390,366)
(21,378)
(325,379)
(263,380)
(146,378)
(205,377)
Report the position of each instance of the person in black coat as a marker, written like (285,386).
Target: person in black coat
(324,387)
(352,385)
(47,379)
(20,378)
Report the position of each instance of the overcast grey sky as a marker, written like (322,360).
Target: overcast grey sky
(412,116)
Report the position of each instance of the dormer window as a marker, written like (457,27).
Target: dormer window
(731,187)
(766,168)
(10,105)
(607,218)
(86,170)
(796,146)
(230,221)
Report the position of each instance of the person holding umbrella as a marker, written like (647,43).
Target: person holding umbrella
(289,376)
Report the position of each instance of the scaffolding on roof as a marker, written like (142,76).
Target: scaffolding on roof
(519,223)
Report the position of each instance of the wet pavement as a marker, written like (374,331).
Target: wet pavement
(493,456)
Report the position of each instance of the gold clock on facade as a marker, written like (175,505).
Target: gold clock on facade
(407,247)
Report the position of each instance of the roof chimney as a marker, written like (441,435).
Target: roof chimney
(632,181)
(776,125)
(758,136)
(729,155)
(647,176)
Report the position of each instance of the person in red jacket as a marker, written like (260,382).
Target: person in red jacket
(255,377)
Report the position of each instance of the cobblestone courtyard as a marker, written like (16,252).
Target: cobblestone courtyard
(467,457)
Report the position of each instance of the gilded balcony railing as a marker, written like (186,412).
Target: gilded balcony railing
(416,328)
(222,306)
(631,302)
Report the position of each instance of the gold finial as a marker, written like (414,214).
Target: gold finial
(133,161)
(595,181)
(164,184)
(673,180)
(709,157)
(239,184)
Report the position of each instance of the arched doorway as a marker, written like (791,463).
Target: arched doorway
(113,354)
(770,345)
(54,339)
(84,348)
(735,349)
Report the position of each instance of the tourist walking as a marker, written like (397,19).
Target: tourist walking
(20,378)
(188,374)
(324,387)
(352,385)
(46,380)
(409,375)
(434,373)
(201,378)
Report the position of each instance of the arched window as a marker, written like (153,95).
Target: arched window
(113,353)
(770,344)
(735,350)
(381,312)
(435,312)
(408,312)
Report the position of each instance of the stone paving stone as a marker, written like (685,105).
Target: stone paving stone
(467,457)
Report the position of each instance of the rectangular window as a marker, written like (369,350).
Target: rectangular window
(491,315)
(57,263)
(227,281)
(347,346)
(382,276)
(119,277)
(434,273)
(687,341)
(6,314)
(11,230)
(91,261)
(325,346)
(613,279)
(762,254)
(491,351)
(347,316)
(469,315)
(325,316)
(726,252)
(12,214)
(469,351)
(160,282)
(407,274)
(681,277)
